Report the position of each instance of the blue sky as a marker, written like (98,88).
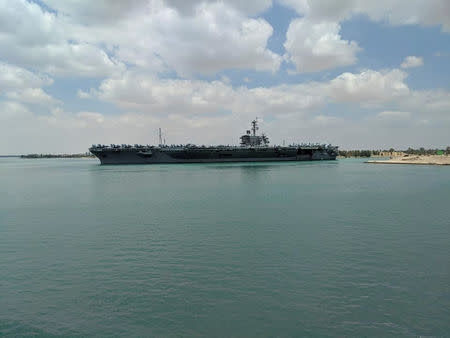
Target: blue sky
(353,73)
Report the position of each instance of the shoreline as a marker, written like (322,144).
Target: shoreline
(416,159)
(50,156)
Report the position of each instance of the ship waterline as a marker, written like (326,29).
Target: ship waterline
(253,148)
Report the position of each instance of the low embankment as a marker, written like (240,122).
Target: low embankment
(416,159)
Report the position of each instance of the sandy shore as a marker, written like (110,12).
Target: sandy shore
(417,159)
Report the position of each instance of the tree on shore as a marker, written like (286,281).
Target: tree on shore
(409,151)
(355,153)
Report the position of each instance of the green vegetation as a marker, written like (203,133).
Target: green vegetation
(358,153)
(409,151)
(423,151)
(57,156)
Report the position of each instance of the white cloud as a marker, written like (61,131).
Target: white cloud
(214,36)
(407,12)
(324,120)
(316,46)
(182,105)
(294,112)
(369,87)
(65,120)
(395,115)
(11,111)
(98,39)
(247,7)
(111,11)
(396,12)
(32,96)
(140,92)
(412,62)
(99,11)
(321,9)
(42,41)
(13,77)
(135,91)
(313,42)
(434,103)
(218,38)
(280,100)
(197,103)
(83,95)
(22,85)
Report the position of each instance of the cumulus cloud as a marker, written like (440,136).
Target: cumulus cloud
(396,12)
(97,39)
(34,96)
(40,40)
(83,95)
(164,98)
(405,12)
(247,7)
(11,111)
(316,46)
(160,36)
(412,62)
(111,11)
(99,11)
(294,111)
(13,77)
(369,86)
(215,38)
(140,92)
(135,91)
(313,42)
(434,103)
(22,85)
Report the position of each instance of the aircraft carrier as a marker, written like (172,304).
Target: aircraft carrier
(253,148)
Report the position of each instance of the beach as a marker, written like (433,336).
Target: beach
(416,159)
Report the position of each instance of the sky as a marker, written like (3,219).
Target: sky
(354,73)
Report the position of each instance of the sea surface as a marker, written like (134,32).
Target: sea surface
(332,248)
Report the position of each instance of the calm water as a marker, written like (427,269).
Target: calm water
(337,248)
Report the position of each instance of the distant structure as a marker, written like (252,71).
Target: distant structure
(391,153)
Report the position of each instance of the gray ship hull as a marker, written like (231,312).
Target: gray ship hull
(157,155)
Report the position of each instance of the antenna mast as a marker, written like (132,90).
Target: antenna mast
(255,126)
(160,136)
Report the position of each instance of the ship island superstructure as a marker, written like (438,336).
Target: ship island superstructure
(252,148)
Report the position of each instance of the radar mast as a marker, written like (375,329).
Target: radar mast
(253,140)
(255,126)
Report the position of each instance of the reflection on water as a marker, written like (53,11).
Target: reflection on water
(246,166)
